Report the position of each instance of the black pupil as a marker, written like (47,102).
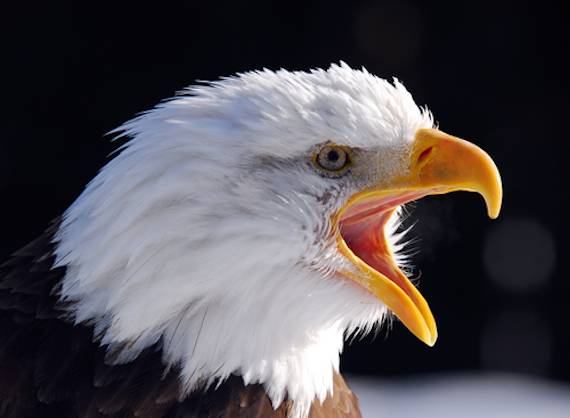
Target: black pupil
(333,156)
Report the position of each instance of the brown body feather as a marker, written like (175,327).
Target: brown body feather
(50,368)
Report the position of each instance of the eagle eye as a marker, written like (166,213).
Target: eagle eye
(332,158)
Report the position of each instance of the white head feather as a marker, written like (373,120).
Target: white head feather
(211,231)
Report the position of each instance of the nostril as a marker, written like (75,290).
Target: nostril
(425,154)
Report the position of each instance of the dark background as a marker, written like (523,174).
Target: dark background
(493,72)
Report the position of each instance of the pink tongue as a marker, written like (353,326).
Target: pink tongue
(366,239)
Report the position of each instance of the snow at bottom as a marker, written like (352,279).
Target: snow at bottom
(470,395)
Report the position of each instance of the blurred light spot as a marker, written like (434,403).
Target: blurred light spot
(389,31)
(516,342)
(519,254)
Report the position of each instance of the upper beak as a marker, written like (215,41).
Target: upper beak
(439,163)
(443,161)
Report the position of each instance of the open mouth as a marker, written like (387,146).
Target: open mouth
(363,229)
(438,163)
(363,241)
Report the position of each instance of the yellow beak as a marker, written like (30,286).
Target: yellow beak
(439,164)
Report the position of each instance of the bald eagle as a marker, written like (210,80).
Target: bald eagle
(215,265)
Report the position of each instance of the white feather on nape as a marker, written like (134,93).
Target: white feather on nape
(210,231)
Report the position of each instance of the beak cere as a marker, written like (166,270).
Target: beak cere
(439,164)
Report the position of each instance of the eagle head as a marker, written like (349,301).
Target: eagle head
(249,225)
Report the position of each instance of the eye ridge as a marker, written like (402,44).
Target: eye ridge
(332,158)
